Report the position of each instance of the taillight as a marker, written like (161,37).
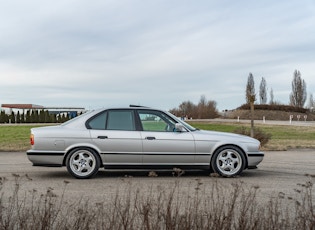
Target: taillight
(32,139)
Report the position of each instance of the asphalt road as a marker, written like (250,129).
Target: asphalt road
(280,171)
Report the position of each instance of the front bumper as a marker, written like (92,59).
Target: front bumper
(254,158)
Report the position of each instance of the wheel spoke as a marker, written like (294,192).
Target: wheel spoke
(224,166)
(81,156)
(76,162)
(89,158)
(229,154)
(222,158)
(235,160)
(88,167)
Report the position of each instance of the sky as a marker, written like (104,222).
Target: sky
(156,53)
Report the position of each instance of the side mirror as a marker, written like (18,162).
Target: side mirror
(180,128)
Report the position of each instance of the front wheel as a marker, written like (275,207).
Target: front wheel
(228,161)
(83,163)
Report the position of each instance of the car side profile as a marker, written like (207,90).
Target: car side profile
(139,138)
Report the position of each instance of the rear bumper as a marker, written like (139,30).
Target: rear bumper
(45,158)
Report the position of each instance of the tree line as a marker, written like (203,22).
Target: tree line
(205,109)
(33,116)
(297,97)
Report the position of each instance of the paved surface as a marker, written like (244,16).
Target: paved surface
(280,171)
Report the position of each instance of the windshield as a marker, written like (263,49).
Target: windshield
(187,126)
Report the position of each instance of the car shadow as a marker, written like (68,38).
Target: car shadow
(170,173)
(103,174)
(150,173)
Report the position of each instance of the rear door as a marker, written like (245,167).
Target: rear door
(114,133)
(162,144)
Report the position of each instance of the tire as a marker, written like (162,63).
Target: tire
(83,163)
(228,161)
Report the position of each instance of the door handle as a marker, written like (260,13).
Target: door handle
(102,137)
(150,138)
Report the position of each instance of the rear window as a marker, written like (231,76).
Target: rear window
(120,120)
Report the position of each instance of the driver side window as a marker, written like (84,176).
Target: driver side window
(156,121)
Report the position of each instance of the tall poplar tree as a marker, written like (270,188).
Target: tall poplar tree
(298,95)
(311,102)
(263,91)
(250,99)
(250,88)
(271,102)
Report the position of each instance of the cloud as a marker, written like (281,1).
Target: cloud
(157,53)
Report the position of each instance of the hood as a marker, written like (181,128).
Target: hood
(205,135)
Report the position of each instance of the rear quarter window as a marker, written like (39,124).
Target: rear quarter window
(98,121)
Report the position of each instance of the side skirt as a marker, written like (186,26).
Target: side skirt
(148,167)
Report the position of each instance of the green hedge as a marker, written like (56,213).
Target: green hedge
(33,116)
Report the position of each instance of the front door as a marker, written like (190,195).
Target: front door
(162,144)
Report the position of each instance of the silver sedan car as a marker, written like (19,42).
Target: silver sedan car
(139,138)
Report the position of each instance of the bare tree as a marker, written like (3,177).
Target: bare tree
(187,108)
(212,109)
(263,91)
(250,88)
(205,109)
(299,94)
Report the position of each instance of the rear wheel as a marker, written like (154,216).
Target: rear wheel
(228,161)
(83,163)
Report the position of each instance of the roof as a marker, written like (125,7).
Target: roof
(22,106)
(32,106)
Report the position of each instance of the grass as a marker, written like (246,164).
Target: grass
(16,137)
(222,207)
